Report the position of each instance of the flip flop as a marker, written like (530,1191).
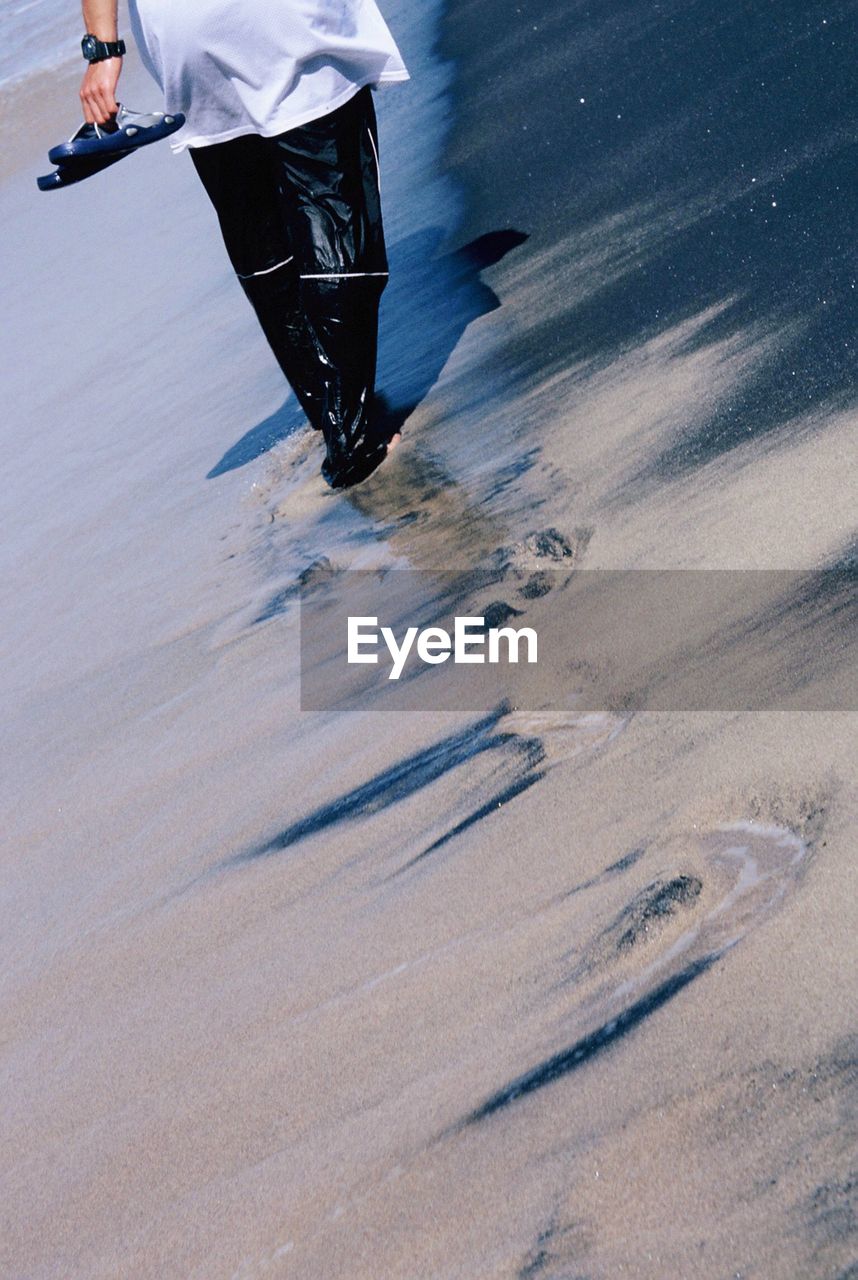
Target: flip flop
(128,130)
(95,147)
(71,171)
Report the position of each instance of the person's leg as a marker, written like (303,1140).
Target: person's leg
(301,219)
(242,182)
(330,192)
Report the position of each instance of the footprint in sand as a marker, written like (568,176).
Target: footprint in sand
(716,888)
(531,565)
(529,570)
(316,574)
(725,883)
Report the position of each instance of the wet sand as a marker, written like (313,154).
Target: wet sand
(544,993)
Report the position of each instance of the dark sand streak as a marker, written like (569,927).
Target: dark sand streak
(615,869)
(490,806)
(397,783)
(582,1051)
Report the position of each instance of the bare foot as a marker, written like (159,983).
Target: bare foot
(393,442)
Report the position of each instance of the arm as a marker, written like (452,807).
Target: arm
(98,90)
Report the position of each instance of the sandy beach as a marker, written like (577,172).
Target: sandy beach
(541,990)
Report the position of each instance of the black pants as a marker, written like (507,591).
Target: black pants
(301,220)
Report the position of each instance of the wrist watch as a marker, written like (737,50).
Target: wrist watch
(95,50)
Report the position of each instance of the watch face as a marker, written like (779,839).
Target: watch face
(88,45)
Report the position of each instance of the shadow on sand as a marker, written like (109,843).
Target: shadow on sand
(697,161)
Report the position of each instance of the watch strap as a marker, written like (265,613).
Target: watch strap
(95,50)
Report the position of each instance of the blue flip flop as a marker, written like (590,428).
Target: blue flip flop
(128,130)
(95,147)
(70,171)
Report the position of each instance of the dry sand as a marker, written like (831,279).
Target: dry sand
(372,994)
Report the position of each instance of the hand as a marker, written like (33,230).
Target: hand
(98,90)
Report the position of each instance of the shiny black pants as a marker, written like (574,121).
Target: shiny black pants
(301,220)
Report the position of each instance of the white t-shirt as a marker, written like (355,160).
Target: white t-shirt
(260,66)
